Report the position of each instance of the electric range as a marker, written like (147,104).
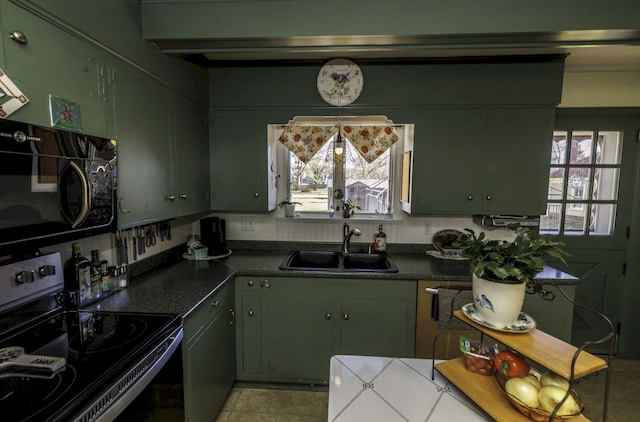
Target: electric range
(71,364)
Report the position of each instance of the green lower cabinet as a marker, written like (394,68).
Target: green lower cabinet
(290,327)
(298,338)
(376,327)
(554,317)
(208,357)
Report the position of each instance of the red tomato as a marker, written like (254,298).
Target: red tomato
(511,364)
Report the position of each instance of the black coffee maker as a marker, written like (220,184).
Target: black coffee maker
(213,235)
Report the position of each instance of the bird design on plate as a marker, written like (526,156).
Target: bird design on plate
(484,302)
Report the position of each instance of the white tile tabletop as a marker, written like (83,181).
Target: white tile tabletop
(371,388)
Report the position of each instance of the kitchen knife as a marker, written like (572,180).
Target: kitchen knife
(135,247)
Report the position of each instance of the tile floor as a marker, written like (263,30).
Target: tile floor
(275,404)
(301,404)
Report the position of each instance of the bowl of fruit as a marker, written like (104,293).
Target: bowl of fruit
(532,393)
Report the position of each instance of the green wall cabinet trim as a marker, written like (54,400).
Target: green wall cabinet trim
(481,160)
(243,169)
(290,327)
(399,84)
(481,23)
(209,356)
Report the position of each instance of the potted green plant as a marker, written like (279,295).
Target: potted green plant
(289,208)
(349,208)
(502,269)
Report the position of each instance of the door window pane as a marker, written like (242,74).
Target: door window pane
(583,185)
(608,148)
(556,183)
(603,218)
(581,146)
(605,184)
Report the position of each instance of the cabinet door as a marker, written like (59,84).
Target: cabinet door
(144,164)
(209,367)
(555,316)
(239,162)
(54,62)
(516,170)
(446,172)
(297,338)
(376,327)
(190,144)
(249,331)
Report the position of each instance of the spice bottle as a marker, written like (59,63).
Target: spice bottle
(380,240)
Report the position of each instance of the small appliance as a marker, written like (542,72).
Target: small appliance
(213,235)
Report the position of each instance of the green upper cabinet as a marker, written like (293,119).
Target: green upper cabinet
(481,160)
(242,162)
(54,62)
(163,150)
(190,149)
(145,170)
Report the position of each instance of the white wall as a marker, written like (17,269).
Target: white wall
(601,89)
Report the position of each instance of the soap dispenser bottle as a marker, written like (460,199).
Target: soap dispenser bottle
(380,241)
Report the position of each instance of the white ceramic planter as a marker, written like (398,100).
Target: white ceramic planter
(497,303)
(289,210)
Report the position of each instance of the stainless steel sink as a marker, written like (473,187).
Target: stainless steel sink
(338,262)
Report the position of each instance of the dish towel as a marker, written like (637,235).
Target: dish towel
(449,300)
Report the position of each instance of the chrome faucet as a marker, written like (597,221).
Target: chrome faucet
(347,237)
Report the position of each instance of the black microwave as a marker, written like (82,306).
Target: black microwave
(55,186)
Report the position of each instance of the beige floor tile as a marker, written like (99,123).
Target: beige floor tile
(232,399)
(252,417)
(301,418)
(258,400)
(223,416)
(305,403)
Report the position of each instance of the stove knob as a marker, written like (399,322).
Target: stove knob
(25,277)
(46,270)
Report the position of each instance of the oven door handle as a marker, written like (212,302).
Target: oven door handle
(85,202)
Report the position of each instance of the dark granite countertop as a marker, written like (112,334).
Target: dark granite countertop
(180,285)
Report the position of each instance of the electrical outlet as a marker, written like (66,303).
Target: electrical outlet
(247,224)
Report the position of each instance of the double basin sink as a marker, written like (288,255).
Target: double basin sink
(338,262)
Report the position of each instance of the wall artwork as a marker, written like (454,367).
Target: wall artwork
(65,114)
(11,98)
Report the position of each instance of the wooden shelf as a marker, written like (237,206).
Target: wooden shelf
(484,391)
(540,347)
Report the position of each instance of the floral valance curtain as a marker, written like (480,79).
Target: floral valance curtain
(370,141)
(306,141)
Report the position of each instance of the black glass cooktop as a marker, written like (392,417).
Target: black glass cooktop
(97,347)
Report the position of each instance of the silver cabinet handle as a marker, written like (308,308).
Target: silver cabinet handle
(266,284)
(345,317)
(470,198)
(170,197)
(251,312)
(488,197)
(250,283)
(215,304)
(328,316)
(257,194)
(183,196)
(19,37)
(233,316)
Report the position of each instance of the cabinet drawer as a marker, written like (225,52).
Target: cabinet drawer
(220,302)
